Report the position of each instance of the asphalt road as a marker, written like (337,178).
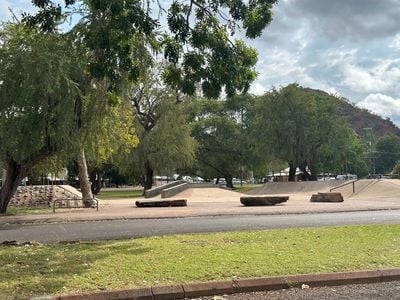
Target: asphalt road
(372,291)
(117,229)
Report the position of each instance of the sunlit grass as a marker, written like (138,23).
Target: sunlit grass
(12,211)
(115,194)
(90,266)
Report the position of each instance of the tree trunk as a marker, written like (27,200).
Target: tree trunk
(229,183)
(14,175)
(84,182)
(307,176)
(313,172)
(292,172)
(148,180)
(95,179)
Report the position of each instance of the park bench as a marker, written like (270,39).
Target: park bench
(161,203)
(263,200)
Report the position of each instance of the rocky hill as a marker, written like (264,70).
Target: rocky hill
(359,118)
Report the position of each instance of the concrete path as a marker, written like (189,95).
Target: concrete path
(118,229)
(370,195)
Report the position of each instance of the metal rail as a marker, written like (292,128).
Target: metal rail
(344,184)
(71,199)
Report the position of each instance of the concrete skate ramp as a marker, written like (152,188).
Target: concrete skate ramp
(375,189)
(360,186)
(213,194)
(273,188)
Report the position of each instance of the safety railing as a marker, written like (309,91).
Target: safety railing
(67,202)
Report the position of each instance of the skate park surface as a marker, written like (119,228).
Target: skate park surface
(214,201)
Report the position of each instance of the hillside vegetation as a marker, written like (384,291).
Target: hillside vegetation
(359,118)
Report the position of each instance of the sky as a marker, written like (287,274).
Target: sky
(350,48)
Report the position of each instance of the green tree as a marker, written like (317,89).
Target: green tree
(396,170)
(161,123)
(38,92)
(220,128)
(197,41)
(301,128)
(347,154)
(107,130)
(109,43)
(387,153)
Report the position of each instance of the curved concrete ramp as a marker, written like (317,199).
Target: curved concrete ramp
(375,189)
(213,194)
(272,188)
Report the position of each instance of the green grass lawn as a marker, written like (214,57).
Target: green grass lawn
(115,194)
(12,211)
(90,266)
(245,188)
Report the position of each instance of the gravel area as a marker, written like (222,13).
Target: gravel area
(373,291)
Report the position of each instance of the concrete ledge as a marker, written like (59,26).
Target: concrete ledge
(327,197)
(172,191)
(239,286)
(157,190)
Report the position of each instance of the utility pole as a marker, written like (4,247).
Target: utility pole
(368,137)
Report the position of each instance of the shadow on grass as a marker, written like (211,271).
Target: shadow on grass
(38,270)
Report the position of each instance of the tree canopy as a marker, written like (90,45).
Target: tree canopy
(301,128)
(161,122)
(196,38)
(387,153)
(39,77)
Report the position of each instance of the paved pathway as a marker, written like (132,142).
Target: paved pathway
(207,202)
(116,229)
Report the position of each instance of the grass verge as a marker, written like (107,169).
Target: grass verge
(12,211)
(246,188)
(115,194)
(90,266)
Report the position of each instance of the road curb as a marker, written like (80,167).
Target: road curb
(238,286)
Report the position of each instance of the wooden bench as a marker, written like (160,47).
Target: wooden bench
(162,203)
(263,200)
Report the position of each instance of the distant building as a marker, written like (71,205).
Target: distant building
(283,175)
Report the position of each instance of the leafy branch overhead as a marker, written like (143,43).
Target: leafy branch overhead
(198,40)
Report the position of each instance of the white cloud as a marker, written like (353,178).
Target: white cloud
(340,56)
(4,10)
(395,44)
(363,80)
(381,104)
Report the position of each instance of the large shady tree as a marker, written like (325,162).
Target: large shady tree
(198,40)
(39,77)
(301,128)
(161,123)
(114,36)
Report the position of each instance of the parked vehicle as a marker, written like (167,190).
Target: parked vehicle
(346,177)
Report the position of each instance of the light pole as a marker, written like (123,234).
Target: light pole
(368,136)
